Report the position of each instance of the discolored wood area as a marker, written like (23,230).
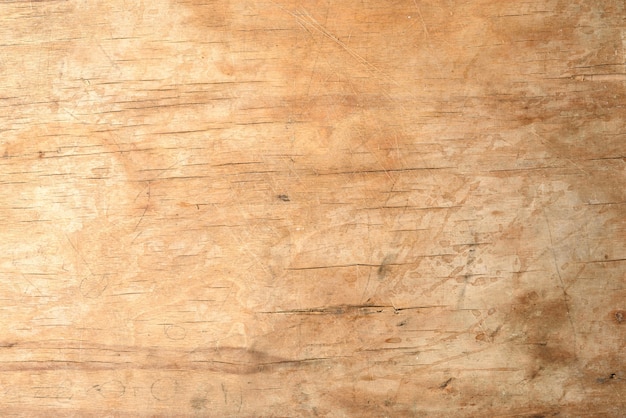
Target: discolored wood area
(313,208)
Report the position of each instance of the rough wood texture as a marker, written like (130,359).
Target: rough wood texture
(313,208)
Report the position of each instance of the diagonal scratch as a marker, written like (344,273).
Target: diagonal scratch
(428,40)
(79,254)
(555,151)
(305,20)
(558,272)
(419,13)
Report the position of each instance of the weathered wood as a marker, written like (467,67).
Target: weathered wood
(312,208)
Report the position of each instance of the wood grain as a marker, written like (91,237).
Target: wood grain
(312,208)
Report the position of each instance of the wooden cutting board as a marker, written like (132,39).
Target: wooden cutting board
(312,208)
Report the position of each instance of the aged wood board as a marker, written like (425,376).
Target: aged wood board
(313,208)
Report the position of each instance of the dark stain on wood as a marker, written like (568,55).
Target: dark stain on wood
(384,267)
(541,328)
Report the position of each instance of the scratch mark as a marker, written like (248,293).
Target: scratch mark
(419,13)
(113,63)
(163,171)
(31,283)
(145,209)
(563,288)
(428,41)
(600,77)
(556,152)
(79,254)
(305,19)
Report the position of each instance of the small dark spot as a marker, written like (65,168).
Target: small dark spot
(445,384)
(384,268)
(606,256)
(41,154)
(618,316)
(552,354)
(604,380)
(529,298)
(533,373)
(284,198)
(198,403)
(401,323)
(381,271)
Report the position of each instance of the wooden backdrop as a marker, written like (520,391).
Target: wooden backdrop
(312,208)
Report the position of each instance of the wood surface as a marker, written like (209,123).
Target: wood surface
(313,208)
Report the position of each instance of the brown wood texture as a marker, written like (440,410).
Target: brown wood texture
(313,208)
